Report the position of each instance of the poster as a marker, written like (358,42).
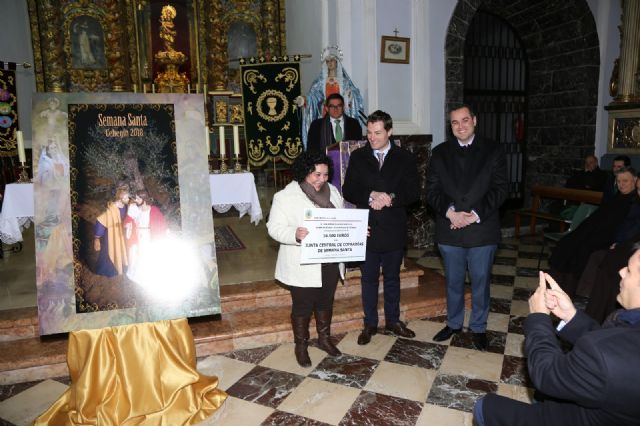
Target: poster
(335,235)
(123,223)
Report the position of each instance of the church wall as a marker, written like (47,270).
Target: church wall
(15,46)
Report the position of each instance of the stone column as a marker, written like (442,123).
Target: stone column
(630,46)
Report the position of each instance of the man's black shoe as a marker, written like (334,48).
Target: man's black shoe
(445,333)
(365,335)
(400,329)
(480,341)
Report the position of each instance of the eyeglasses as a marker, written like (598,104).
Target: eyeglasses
(335,106)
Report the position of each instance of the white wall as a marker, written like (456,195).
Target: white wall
(15,46)
(607,16)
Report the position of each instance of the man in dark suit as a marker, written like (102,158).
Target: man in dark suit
(466,184)
(383,178)
(596,382)
(333,127)
(610,185)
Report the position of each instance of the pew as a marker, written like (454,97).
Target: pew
(540,192)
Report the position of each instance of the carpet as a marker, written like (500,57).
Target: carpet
(226,239)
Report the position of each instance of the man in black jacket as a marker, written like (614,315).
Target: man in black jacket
(466,184)
(333,127)
(383,178)
(596,383)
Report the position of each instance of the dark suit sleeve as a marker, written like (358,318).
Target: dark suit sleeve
(313,137)
(353,130)
(436,197)
(356,189)
(497,193)
(408,192)
(581,323)
(577,376)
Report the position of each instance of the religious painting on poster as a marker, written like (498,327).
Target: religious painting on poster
(123,226)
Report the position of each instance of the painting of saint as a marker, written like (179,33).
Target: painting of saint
(87,43)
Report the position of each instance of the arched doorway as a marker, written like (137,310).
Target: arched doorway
(561,44)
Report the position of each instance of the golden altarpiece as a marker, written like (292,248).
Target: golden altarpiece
(111,45)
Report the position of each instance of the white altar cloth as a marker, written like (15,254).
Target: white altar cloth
(236,190)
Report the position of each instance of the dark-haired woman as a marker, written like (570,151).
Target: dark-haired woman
(312,286)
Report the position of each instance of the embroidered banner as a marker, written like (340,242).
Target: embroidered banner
(8,111)
(272,123)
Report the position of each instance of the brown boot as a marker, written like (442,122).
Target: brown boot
(323,325)
(301,338)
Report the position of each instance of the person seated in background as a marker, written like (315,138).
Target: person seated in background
(570,256)
(610,186)
(596,382)
(591,177)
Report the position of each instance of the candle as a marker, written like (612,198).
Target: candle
(153,88)
(188,87)
(223,149)
(135,88)
(207,139)
(21,155)
(236,141)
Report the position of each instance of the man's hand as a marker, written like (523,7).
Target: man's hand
(537,302)
(379,200)
(460,220)
(558,301)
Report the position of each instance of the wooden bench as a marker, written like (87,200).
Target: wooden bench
(540,192)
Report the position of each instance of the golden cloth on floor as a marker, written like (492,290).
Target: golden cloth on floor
(140,374)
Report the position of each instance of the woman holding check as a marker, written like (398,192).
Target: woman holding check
(312,286)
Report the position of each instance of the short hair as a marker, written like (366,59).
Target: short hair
(625,159)
(334,96)
(627,170)
(379,115)
(460,106)
(119,190)
(307,162)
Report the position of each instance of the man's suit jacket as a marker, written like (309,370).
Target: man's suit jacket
(596,383)
(399,175)
(321,132)
(471,178)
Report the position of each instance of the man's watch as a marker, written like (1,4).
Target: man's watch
(392,195)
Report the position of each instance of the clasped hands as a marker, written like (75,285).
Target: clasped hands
(551,300)
(380,200)
(460,220)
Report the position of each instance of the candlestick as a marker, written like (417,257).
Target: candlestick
(135,88)
(153,88)
(237,166)
(223,148)
(188,87)
(21,156)
(236,140)
(223,164)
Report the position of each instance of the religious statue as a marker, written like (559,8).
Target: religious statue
(333,79)
(170,80)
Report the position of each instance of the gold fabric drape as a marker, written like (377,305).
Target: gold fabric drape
(140,374)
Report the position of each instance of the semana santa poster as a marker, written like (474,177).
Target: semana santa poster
(123,226)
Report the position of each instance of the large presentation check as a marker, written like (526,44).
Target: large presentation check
(335,235)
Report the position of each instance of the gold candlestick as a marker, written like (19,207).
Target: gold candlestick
(23,176)
(237,166)
(223,164)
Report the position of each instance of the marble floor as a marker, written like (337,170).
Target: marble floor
(391,381)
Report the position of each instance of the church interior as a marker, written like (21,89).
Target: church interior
(552,82)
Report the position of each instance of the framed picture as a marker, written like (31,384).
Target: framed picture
(624,132)
(395,50)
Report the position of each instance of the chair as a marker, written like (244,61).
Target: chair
(583,211)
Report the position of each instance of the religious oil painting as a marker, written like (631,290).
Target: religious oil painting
(395,50)
(87,43)
(123,222)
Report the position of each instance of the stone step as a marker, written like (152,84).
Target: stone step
(37,358)
(22,323)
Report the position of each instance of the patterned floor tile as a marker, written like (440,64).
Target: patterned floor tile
(320,400)
(519,308)
(495,341)
(514,371)
(23,408)
(500,260)
(522,293)
(236,411)
(284,359)
(526,282)
(519,393)
(434,415)
(506,280)
(501,291)
(227,370)
(265,386)
(458,392)
(527,272)
(377,409)
(498,322)
(472,364)
(278,418)
(402,381)
(253,356)
(516,325)
(376,349)
(500,306)
(514,345)
(419,354)
(347,370)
